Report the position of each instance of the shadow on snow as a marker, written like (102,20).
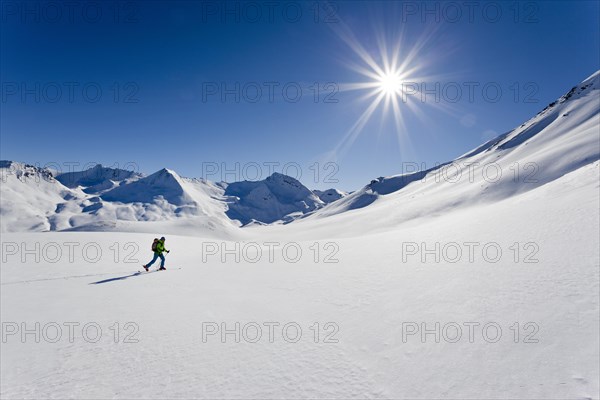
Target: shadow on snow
(119,278)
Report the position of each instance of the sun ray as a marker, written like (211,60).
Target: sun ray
(356,129)
(347,87)
(393,81)
(346,34)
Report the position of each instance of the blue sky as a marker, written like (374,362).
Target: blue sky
(174,84)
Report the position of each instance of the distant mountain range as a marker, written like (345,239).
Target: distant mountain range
(36,199)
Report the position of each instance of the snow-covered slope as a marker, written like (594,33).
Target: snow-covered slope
(354,314)
(560,139)
(31,198)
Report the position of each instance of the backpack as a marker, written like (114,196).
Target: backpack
(154,244)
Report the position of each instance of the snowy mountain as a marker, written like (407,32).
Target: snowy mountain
(162,185)
(111,199)
(97,179)
(270,200)
(31,198)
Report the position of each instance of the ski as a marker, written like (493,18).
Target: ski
(157,270)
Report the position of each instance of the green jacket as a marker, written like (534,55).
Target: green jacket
(160,247)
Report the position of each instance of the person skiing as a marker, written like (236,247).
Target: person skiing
(158,247)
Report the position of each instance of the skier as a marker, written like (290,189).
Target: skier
(158,247)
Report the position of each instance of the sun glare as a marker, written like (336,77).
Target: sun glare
(391,73)
(390,83)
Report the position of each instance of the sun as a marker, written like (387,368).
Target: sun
(390,83)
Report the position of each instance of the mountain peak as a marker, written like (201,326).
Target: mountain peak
(270,200)
(97,179)
(163,183)
(164,176)
(23,171)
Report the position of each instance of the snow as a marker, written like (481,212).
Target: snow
(97,179)
(330,195)
(28,195)
(110,199)
(270,200)
(408,251)
(164,183)
(539,151)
